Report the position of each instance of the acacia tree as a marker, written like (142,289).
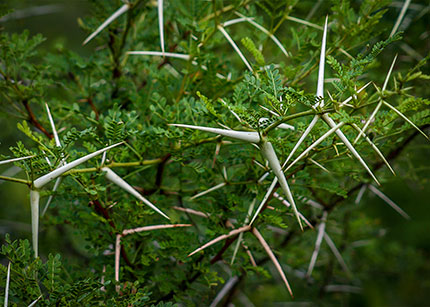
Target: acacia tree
(204,148)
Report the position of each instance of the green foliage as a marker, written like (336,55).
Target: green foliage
(106,96)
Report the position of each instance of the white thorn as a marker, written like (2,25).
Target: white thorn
(15,159)
(239,135)
(386,199)
(218,186)
(400,17)
(113,177)
(112,17)
(34,202)
(6,290)
(235,47)
(158,53)
(300,141)
(360,194)
(270,154)
(161,24)
(56,185)
(320,85)
(54,130)
(316,143)
(264,30)
(266,196)
(351,148)
(321,230)
(358,92)
(41,181)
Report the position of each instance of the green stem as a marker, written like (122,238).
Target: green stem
(17,180)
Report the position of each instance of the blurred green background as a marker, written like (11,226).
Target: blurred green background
(396,270)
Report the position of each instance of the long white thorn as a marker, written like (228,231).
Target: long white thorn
(112,17)
(161,24)
(400,17)
(319,165)
(41,181)
(337,254)
(235,47)
(158,53)
(287,204)
(389,202)
(113,177)
(300,141)
(34,202)
(319,93)
(272,257)
(54,189)
(270,154)
(117,257)
(218,186)
(265,31)
(6,290)
(358,92)
(376,149)
(234,21)
(316,143)
(224,291)
(406,119)
(33,303)
(320,84)
(372,116)
(351,148)
(304,22)
(152,227)
(222,237)
(54,130)
(321,231)
(15,159)
(266,196)
(281,126)
(360,194)
(246,136)
(239,240)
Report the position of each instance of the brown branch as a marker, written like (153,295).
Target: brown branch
(102,211)
(34,121)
